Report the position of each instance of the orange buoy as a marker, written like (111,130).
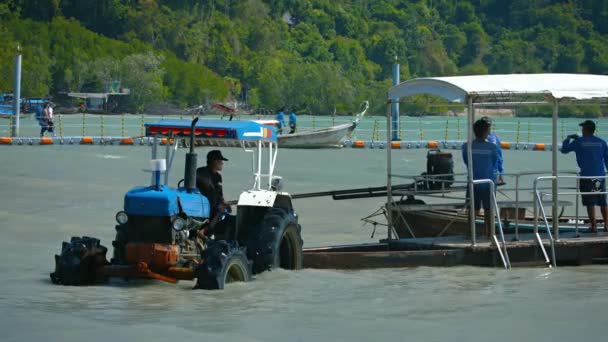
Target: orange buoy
(395,144)
(46,141)
(86,140)
(359,143)
(505,144)
(126,141)
(539,147)
(164,141)
(6,140)
(432,144)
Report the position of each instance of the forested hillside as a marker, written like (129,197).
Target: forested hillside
(314,56)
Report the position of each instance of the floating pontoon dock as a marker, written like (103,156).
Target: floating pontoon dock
(552,248)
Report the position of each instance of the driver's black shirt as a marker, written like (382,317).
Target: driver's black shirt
(210,185)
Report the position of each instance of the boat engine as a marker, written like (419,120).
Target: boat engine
(442,164)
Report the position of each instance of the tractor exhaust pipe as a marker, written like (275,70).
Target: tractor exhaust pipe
(190,172)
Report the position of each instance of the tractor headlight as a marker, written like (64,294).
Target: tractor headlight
(122,217)
(178,223)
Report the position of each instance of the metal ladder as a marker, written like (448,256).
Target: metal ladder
(539,204)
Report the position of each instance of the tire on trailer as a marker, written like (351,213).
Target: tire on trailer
(79,261)
(276,242)
(224,263)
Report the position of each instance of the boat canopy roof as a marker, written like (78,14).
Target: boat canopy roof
(213,129)
(505,88)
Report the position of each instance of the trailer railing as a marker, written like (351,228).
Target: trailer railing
(539,205)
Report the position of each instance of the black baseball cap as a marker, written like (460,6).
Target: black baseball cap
(487,119)
(215,155)
(588,124)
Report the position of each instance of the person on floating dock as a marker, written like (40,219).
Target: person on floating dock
(292,122)
(45,119)
(493,138)
(592,159)
(484,157)
(281,121)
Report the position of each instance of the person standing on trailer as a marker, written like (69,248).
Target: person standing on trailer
(484,156)
(493,138)
(592,159)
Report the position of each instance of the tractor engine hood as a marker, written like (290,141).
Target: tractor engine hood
(163,201)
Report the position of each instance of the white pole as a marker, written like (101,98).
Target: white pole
(554,169)
(389,192)
(17,93)
(470,118)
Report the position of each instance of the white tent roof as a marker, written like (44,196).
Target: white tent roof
(457,88)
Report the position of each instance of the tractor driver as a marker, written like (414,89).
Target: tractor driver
(209,183)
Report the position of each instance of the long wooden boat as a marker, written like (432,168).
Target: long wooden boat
(330,137)
(455,222)
(319,138)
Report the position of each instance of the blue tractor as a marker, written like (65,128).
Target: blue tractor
(161,233)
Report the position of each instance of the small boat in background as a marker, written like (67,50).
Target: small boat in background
(319,138)
(6,112)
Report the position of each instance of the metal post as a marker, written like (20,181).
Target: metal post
(395,104)
(83,125)
(270,165)
(60,127)
(122,125)
(470,118)
(389,191)
(576,207)
(101,127)
(168,156)
(516,207)
(16,94)
(555,218)
(259,173)
(535,213)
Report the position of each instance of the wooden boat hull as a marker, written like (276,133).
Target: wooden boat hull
(319,138)
(445,251)
(433,223)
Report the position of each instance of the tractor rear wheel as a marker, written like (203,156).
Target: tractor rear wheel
(79,262)
(224,263)
(276,242)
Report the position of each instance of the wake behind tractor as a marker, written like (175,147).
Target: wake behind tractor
(160,231)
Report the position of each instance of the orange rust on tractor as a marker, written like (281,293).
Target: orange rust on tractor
(157,256)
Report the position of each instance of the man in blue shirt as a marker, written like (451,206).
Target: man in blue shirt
(591,157)
(292,122)
(493,138)
(281,121)
(484,156)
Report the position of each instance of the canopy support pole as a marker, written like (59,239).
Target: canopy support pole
(395,104)
(470,120)
(389,192)
(554,214)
